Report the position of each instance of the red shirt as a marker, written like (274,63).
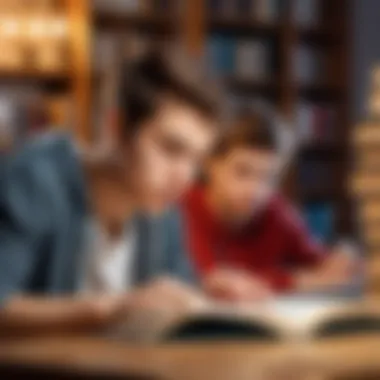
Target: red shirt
(271,245)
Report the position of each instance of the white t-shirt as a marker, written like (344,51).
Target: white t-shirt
(109,262)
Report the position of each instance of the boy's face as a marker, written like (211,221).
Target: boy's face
(244,179)
(166,154)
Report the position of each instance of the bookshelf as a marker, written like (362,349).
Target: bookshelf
(292,54)
(318,31)
(315,98)
(120,32)
(43,57)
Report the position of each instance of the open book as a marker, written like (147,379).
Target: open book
(274,320)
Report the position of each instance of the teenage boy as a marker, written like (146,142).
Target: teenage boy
(245,239)
(73,240)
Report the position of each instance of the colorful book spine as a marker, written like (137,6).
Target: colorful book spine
(307,65)
(319,217)
(316,122)
(267,11)
(221,54)
(218,8)
(306,12)
(252,59)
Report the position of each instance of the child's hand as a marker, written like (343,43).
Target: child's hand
(235,285)
(337,270)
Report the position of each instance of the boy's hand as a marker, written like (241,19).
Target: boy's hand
(340,265)
(235,285)
(150,308)
(337,270)
(165,294)
(44,315)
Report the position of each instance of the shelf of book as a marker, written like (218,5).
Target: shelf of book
(47,58)
(291,54)
(35,76)
(256,87)
(242,26)
(320,91)
(318,36)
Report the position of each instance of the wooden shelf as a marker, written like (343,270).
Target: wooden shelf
(318,36)
(155,23)
(322,148)
(319,91)
(54,81)
(247,87)
(243,26)
(329,194)
(23,74)
(283,36)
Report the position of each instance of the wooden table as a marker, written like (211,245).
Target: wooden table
(91,358)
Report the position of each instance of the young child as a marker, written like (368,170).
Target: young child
(245,239)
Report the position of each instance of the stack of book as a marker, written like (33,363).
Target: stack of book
(366,181)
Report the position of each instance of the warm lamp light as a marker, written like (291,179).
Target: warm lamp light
(48,28)
(9,27)
(58,27)
(38,28)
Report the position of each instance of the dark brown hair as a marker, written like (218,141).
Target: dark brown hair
(253,128)
(162,72)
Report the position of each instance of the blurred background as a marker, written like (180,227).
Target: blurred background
(310,59)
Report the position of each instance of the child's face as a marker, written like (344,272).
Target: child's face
(166,154)
(244,179)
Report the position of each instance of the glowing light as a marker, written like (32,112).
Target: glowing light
(58,27)
(9,27)
(38,28)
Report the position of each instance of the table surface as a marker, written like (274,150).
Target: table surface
(229,360)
